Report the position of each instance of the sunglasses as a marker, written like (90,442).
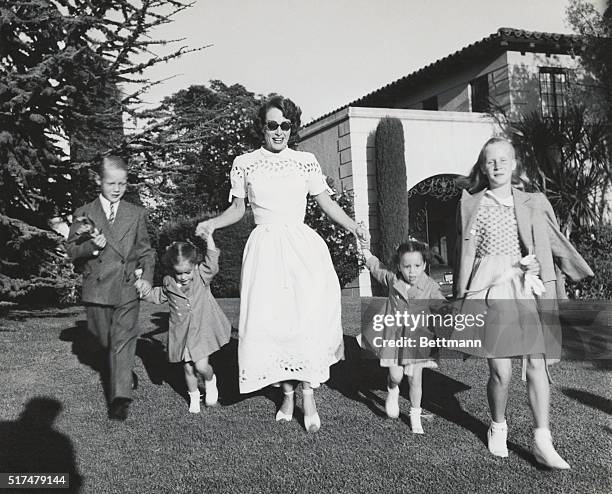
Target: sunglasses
(272,125)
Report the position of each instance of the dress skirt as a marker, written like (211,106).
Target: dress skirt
(290,325)
(497,297)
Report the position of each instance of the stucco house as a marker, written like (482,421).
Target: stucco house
(445,112)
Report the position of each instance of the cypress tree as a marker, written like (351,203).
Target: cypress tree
(391,186)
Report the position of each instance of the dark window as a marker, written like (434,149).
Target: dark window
(480,94)
(553,91)
(431,103)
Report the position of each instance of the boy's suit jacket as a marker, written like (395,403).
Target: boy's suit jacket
(108,275)
(538,233)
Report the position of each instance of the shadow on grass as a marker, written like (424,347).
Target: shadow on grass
(360,374)
(225,364)
(151,349)
(589,399)
(31,444)
(25,313)
(89,352)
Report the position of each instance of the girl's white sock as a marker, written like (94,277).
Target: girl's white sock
(415,420)
(194,401)
(212,393)
(499,426)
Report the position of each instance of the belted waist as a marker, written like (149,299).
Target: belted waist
(279,221)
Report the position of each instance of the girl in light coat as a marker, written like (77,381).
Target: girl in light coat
(198,327)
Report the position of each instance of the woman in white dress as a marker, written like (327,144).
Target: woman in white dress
(290,329)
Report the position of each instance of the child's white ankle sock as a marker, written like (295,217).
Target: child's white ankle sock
(212,393)
(415,420)
(194,401)
(499,426)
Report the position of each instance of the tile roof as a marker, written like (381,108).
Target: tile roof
(505,39)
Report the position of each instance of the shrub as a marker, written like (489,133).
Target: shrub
(341,243)
(594,245)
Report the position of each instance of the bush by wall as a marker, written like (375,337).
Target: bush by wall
(594,245)
(341,244)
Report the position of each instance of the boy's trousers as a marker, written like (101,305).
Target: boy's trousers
(116,329)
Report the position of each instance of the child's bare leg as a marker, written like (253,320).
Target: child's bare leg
(204,368)
(538,390)
(396,373)
(416,386)
(191,379)
(500,373)
(210,381)
(416,393)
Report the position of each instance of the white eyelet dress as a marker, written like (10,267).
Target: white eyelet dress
(290,326)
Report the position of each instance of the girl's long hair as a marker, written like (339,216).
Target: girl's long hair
(477,180)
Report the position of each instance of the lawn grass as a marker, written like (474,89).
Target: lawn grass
(238,447)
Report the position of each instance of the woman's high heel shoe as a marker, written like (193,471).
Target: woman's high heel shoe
(280,415)
(312,423)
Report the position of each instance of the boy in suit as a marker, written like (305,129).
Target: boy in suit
(116,244)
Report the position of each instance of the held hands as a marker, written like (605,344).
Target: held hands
(205,229)
(363,236)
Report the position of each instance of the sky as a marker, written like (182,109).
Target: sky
(325,53)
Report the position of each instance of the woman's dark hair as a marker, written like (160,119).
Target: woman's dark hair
(412,245)
(478,180)
(290,111)
(178,252)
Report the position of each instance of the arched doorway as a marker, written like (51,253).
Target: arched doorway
(432,207)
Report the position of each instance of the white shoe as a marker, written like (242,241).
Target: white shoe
(497,440)
(212,393)
(312,423)
(392,402)
(280,415)
(194,401)
(415,421)
(544,451)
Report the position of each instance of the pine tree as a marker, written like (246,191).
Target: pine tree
(189,143)
(69,70)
